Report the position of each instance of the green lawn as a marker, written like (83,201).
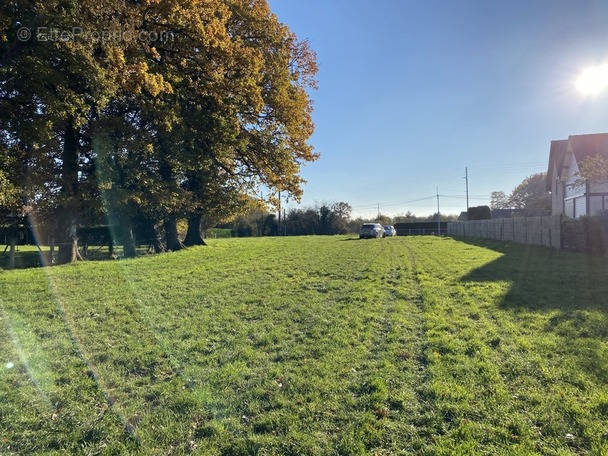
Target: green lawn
(310,345)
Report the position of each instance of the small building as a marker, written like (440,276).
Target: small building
(565,156)
(510,213)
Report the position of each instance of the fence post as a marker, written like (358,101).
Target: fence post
(514,237)
(542,242)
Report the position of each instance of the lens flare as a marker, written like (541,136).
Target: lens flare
(593,80)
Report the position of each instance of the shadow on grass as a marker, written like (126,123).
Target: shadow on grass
(24,259)
(571,287)
(30,257)
(544,278)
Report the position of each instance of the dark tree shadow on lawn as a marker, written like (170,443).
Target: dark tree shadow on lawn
(573,287)
(24,259)
(544,278)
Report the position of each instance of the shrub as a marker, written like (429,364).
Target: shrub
(480,213)
(587,234)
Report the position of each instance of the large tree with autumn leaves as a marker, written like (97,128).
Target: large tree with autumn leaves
(152,110)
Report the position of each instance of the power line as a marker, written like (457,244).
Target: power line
(475,170)
(369,206)
(464,197)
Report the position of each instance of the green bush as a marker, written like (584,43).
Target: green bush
(587,234)
(480,213)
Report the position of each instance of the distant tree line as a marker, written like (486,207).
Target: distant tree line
(326,219)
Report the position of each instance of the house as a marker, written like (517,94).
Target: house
(498,213)
(565,157)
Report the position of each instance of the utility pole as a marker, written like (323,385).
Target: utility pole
(438,215)
(378,216)
(279,230)
(466,176)
(261,229)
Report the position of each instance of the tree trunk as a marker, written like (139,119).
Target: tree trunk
(171,235)
(13,241)
(194,235)
(128,241)
(157,239)
(68,247)
(152,235)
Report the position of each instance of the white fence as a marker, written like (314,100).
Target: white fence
(544,230)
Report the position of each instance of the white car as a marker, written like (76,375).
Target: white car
(371,230)
(389,230)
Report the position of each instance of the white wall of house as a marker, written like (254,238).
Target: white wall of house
(569,208)
(567,198)
(568,177)
(557,194)
(598,202)
(580,207)
(574,199)
(573,195)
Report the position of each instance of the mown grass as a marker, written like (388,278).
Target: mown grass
(311,345)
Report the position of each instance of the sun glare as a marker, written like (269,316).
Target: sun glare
(593,80)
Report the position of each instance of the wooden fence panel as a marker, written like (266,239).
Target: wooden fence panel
(543,230)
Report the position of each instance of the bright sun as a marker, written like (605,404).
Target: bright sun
(593,80)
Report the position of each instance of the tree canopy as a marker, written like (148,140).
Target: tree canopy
(530,195)
(499,200)
(593,169)
(140,113)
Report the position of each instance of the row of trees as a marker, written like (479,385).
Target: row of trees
(129,113)
(329,218)
(324,219)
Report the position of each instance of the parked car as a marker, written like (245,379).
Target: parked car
(371,230)
(389,230)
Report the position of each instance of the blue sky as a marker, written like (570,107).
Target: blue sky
(412,92)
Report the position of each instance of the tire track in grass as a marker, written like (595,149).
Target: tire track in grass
(463,377)
(423,413)
(389,391)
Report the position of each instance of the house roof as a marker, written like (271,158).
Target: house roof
(556,160)
(585,146)
(582,146)
(507,213)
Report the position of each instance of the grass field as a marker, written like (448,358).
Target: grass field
(311,346)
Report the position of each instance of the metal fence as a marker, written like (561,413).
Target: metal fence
(421,228)
(545,230)
(420,231)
